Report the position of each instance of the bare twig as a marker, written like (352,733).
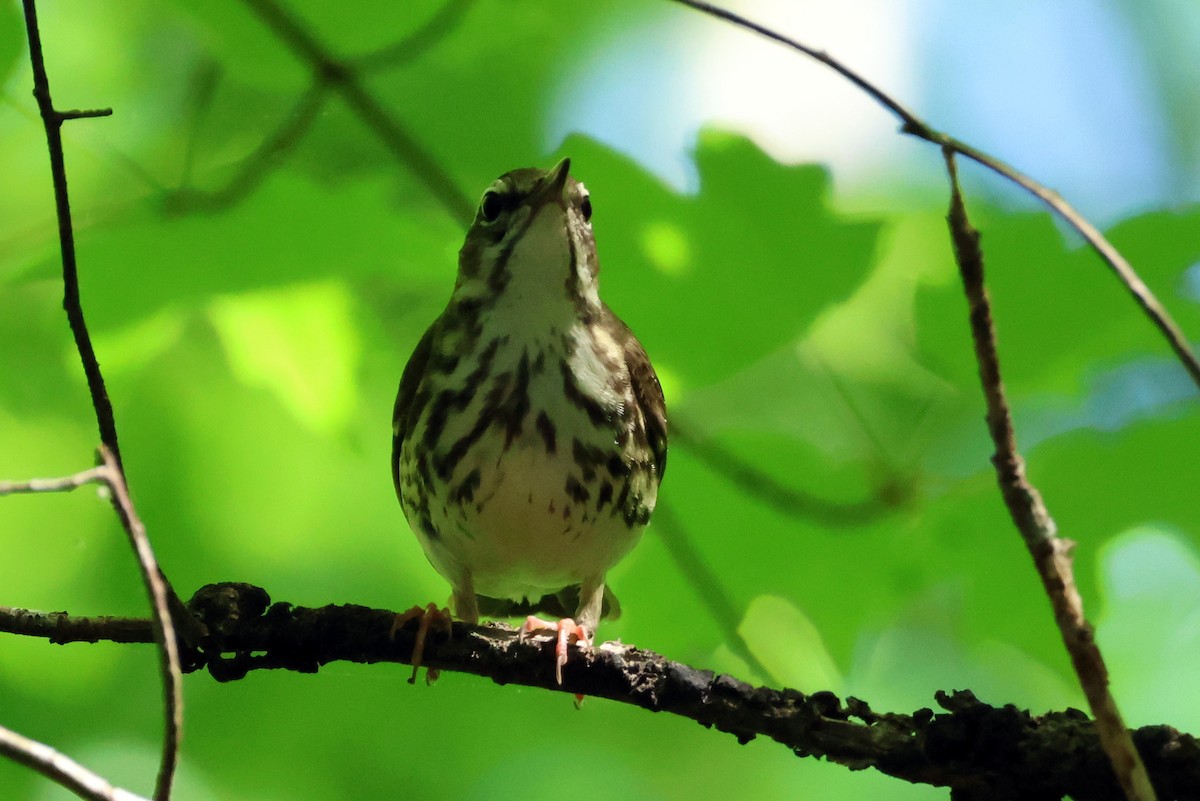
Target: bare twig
(986,753)
(59,627)
(344,79)
(1051,553)
(917,127)
(65,484)
(164,627)
(111,470)
(60,768)
(53,120)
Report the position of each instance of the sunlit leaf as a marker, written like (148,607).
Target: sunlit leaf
(301,344)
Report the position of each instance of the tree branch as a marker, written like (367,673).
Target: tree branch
(417,43)
(1051,554)
(52,121)
(61,628)
(60,768)
(160,629)
(784,499)
(345,80)
(911,124)
(255,167)
(111,471)
(983,753)
(164,626)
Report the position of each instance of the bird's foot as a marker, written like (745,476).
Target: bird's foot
(565,629)
(429,615)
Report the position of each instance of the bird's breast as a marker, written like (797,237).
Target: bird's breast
(523,467)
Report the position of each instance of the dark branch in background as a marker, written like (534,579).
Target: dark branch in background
(982,752)
(784,499)
(160,629)
(296,124)
(60,769)
(255,167)
(917,127)
(1051,554)
(53,120)
(342,77)
(708,586)
(417,43)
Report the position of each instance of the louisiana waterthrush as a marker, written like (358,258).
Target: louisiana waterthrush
(529,432)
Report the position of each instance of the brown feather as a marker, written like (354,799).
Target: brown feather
(410,380)
(646,389)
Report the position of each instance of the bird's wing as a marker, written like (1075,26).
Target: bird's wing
(409,381)
(646,390)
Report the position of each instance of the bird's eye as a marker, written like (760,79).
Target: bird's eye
(586,208)
(491,206)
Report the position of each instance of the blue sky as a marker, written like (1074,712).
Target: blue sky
(1063,91)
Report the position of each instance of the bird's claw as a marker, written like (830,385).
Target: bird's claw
(428,616)
(565,629)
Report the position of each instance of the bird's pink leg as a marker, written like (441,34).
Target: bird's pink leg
(565,629)
(428,615)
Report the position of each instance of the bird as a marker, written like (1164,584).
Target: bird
(529,433)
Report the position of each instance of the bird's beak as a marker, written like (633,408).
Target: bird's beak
(551,187)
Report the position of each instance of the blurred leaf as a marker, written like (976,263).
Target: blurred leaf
(1057,312)
(1150,626)
(290,230)
(12,40)
(301,344)
(788,645)
(741,275)
(132,347)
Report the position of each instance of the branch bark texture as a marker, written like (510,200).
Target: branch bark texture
(981,752)
(1051,554)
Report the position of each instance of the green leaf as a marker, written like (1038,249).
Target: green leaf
(301,344)
(729,275)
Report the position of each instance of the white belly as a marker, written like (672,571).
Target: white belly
(523,535)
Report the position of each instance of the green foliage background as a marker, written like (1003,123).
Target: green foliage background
(252,354)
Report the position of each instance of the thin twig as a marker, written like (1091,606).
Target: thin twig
(66,484)
(164,627)
(60,627)
(420,41)
(1051,553)
(53,120)
(917,127)
(162,597)
(60,768)
(345,80)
